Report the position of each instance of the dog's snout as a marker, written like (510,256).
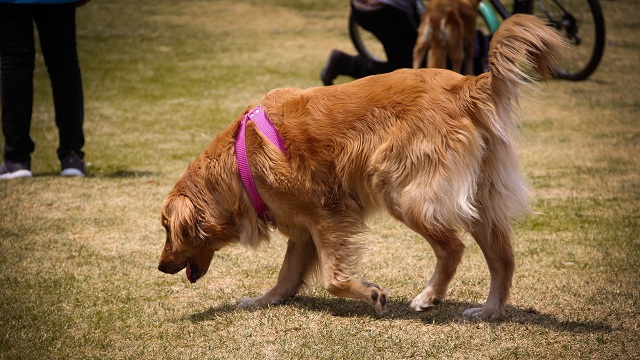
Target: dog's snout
(170,267)
(164,269)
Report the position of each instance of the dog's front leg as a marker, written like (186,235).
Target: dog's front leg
(300,259)
(337,255)
(359,289)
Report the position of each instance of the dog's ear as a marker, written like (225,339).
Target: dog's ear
(248,231)
(251,231)
(181,215)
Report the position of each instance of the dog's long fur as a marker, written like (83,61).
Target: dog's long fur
(447,28)
(435,149)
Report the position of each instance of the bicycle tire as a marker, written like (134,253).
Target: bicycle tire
(588,48)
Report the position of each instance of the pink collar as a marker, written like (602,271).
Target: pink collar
(265,126)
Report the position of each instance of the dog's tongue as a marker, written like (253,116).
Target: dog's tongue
(189,272)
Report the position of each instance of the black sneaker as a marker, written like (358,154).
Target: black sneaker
(332,69)
(73,165)
(13,170)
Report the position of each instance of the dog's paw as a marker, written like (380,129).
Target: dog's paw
(262,301)
(254,303)
(482,313)
(378,298)
(425,302)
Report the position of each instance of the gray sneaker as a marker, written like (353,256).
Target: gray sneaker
(73,165)
(13,170)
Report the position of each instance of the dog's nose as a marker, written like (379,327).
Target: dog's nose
(162,268)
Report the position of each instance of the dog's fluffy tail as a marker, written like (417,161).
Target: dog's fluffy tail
(521,42)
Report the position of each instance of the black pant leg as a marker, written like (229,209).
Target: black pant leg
(397,33)
(17,61)
(57,30)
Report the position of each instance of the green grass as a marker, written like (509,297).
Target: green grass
(78,257)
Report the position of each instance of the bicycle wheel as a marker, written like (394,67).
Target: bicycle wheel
(581,23)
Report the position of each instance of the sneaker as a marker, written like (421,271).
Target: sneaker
(72,165)
(13,170)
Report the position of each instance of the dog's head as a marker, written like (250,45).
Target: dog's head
(200,222)
(208,210)
(185,245)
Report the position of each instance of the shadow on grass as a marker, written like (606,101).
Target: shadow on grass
(122,174)
(447,313)
(117,174)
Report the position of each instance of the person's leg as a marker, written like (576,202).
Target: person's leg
(378,22)
(396,32)
(57,30)
(17,53)
(356,67)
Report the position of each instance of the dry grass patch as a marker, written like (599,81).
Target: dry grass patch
(78,257)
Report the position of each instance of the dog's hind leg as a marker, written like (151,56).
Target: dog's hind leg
(495,242)
(422,44)
(469,43)
(300,260)
(448,250)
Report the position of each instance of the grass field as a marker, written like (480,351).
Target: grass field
(78,257)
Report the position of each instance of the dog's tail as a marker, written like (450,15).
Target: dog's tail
(521,42)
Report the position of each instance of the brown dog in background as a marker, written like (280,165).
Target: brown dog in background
(435,149)
(447,28)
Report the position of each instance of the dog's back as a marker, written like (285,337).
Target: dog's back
(429,129)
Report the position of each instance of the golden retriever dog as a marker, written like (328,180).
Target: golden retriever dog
(433,148)
(447,28)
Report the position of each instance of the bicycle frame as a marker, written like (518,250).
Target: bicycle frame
(489,16)
(519,7)
(499,7)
